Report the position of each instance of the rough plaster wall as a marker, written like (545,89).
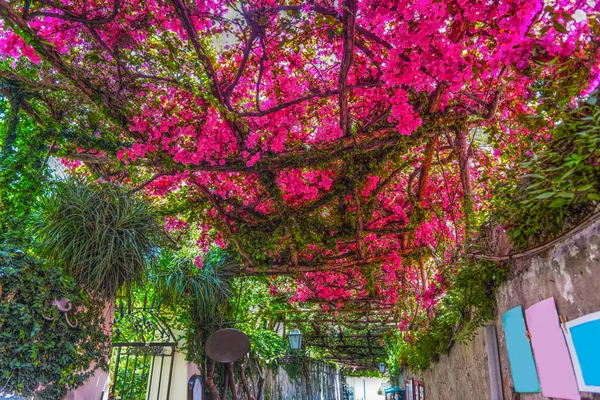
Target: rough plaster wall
(322,382)
(569,272)
(463,374)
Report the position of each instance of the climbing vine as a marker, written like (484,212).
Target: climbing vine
(38,357)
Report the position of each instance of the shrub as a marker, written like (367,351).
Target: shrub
(41,358)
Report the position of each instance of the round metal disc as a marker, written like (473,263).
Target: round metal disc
(227,345)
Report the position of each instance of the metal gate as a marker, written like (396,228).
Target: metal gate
(142,354)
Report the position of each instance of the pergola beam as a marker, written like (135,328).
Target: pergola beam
(338,311)
(342,336)
(291,270)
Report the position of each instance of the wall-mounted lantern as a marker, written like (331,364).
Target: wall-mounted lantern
(295,339)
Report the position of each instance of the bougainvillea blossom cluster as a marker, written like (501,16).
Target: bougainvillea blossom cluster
(335,141)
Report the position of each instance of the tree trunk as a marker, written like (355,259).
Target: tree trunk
(231,376)
(226,384)
(261,381)
(252,382)
(243,380)
(462,150)
(210,382)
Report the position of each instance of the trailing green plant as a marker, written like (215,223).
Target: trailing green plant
(295,365)
(41,358)
(564,180)
(98,233)
(256,314)
(468,304)
(266,344)
(555,183)
(369,373)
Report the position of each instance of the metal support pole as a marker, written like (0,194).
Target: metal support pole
(491,342)
(365,389)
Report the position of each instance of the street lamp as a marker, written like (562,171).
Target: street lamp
(295,339)
(382,368)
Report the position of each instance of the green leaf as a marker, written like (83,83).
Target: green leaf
(567,174)
(565,195)
(544,30)
(535,185)
(559,27)
(593,196)
(585,188)
(566,16)
(537,176)
(556,203)
(546,195)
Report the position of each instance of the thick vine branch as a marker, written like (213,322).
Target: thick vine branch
(335,149)
(210,381)
(429,150)
(323,10)
(184,15)
(243,379)
(70,16)
(147,182)
(246,55)
(316,95)
(291,270)
(348,21)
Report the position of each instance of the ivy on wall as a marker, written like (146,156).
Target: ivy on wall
(41,358)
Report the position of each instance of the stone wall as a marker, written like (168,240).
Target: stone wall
(569,272)
(318,381)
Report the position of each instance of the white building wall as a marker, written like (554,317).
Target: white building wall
(365,388)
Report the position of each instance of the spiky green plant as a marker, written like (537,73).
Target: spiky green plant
(178,280)
(97,233)
(201,297)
